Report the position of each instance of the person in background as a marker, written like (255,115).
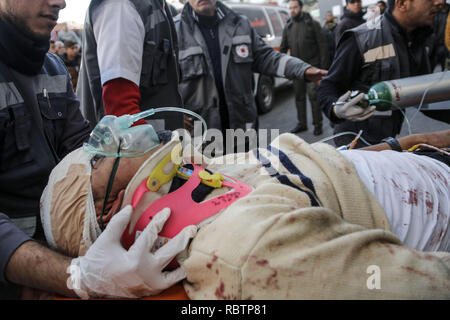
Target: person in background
(382,6)
(303,37)
(352,17)
(52,48)
(440,52)
(59,48)
(66,34)
(72,60)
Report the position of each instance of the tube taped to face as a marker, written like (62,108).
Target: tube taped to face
(115,137)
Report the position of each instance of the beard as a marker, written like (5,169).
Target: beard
(22,26)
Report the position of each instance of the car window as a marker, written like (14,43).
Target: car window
(276,23)
(257,19)
(284,16)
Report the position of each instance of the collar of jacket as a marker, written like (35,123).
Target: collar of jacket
(304,16)
(352,15)
(223,13)
(416,37)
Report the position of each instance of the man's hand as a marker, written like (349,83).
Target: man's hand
(349,108)
(108,269)
(315,75)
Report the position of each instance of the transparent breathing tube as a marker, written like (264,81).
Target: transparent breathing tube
(116,137)
(127,120)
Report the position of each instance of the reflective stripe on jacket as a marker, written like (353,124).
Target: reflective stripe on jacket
(243,52)
(38,126)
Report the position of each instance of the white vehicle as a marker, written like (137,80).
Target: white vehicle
(268,22)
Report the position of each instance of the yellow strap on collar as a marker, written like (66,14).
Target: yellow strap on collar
(166,169)
(212,180)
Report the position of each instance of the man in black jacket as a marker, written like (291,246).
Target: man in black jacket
(40,123)
(303,36)
(353,17)
(389,47)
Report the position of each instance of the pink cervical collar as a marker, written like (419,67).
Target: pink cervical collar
(184,210)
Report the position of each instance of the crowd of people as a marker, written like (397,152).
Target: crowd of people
(66,44)
(137,55)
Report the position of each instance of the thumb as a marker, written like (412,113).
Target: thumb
(118,223)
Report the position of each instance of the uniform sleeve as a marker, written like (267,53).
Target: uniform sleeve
(11,238)
(342,72)
(120,33)
(273,63)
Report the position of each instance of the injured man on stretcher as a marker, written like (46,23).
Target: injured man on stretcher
(290,221)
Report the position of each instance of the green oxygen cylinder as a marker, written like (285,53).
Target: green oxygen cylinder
(412,91)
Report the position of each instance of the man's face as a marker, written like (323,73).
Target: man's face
(421,13)
(382,7)
(52,48)
(72,51)
(354,6)
(203,7)
(100,174)
(36,18)
(294,8)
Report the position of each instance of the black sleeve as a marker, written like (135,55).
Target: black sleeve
(11,238)
(346,66)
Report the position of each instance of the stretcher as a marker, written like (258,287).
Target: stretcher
(175,292)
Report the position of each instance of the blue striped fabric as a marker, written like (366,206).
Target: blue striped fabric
(287,163)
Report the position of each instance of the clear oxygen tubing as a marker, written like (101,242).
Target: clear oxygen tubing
(425,93)
(127,121)
(343,134)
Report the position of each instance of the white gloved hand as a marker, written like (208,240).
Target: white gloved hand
(109,270)
(348,108)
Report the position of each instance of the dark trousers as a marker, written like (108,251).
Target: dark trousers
(301,89)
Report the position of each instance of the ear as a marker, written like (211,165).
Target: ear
(402,5)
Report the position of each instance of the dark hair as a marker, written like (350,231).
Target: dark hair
(69,44)
(382,2)
(300,2)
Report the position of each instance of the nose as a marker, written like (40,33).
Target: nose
(60,4)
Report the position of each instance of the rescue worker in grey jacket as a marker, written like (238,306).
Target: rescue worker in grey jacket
(219,51)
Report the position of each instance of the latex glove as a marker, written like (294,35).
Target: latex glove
(109,270)
(348,108)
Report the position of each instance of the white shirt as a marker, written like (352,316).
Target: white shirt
(413,190)
(120,34)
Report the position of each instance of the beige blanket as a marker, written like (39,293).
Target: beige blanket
(323,238)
